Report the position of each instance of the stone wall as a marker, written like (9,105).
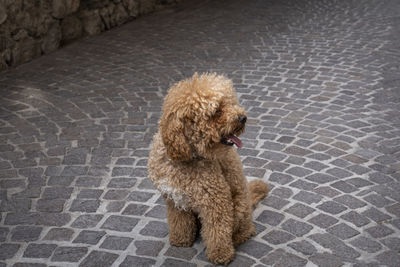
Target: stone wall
(30,28)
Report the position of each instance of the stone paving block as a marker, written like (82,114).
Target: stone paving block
(276,237)
(344,187)
(89,237)
(377,200)
(34,250)
(185,253)
(139,196)
(156,229)
(177,263)
(355,218)
(87,220)
(59,234)
(301,184)
(379,231)
(389,258)
(376,215)
(350,201)
(282,192)
(270,217)
(273,146)
(99,258)
(280,178)
(25,233)
(3,233)
(116,242)
(326,260)
(300,210)
(120,223)
(159,211)
(135,209)
(116,194)
(146,184)
(74,171)
(28,264)
(315,165)
(320,178)
(394,209)
(115,206)
(148,247)
(8,250)
(241,260)
(327,191)
(366,244)
(323,220)
(307,197)
(50,205)
(340,163)
(395,223)
(304,247)
(137,261)
(392,242)
(296,228)
(343,231)
(254,162)
(275,202)
(122,183)
(338,247)
(15,205)
(88,182)
(295,160)
(85,205)
(69,254)
(281,258)
(90,193)
(298,171)
(331,207)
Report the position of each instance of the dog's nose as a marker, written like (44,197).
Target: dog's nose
(242,119)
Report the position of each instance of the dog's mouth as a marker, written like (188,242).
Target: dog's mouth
(231,140)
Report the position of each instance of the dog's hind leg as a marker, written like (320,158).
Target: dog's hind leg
(182,225)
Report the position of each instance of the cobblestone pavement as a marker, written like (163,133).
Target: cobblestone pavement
(320,82)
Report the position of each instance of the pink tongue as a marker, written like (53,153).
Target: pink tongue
(235,140)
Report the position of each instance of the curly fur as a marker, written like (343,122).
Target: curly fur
(201,178)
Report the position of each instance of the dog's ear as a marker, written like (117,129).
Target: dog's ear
(172,134)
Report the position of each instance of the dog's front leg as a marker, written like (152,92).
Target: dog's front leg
(182,225)
(243,225)
(216,215)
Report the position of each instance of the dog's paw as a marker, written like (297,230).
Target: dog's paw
(181,242)
(222,254)
(243,235)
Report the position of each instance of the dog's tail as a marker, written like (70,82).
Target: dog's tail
(258,190)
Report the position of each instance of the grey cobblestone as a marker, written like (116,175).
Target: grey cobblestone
(99,259)
(39,250)
(355,218)
(323,220)
(120,223)
(296,228)
(343,231)
(319,81)
(89,237)
(137,261)
(25,233)
(69,254)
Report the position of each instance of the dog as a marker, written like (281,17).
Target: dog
(194,164)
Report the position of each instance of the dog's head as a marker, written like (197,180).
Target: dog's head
(201,118)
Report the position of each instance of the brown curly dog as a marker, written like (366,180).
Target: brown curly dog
(198,171)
